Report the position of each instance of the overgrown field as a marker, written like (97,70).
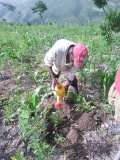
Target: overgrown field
(24,82)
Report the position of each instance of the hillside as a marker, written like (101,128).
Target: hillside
(61,12)
(30,126)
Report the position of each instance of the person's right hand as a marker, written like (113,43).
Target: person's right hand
(56,75)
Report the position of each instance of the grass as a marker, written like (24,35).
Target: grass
(22,48)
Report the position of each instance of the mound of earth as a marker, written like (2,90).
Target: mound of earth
(86,140)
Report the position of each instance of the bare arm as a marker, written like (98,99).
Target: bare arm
(112,94)
(52,74)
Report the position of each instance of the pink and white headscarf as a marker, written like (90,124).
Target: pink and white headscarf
(79,51)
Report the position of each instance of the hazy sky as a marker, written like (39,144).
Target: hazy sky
(14,1)
(19,2)
(23,7)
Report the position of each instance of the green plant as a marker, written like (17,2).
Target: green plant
(106,78)
(32,101)
(8,49)
(55,118)
(82,105)
(59,139)
(33,132)
(33,127)
(10,107)
(113,20)
(41,149)
(106,32)
(18,156)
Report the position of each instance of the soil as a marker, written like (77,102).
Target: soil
(10,140)
(86,135)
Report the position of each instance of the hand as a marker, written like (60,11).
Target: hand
(113,94)
(66,84)
(56,75)
(54,82)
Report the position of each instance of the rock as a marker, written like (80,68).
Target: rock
(72,136)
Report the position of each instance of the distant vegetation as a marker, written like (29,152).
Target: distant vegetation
(60,12)
(112,19)
(9,6)
(40,8)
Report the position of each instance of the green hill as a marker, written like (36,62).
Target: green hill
(59,11)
